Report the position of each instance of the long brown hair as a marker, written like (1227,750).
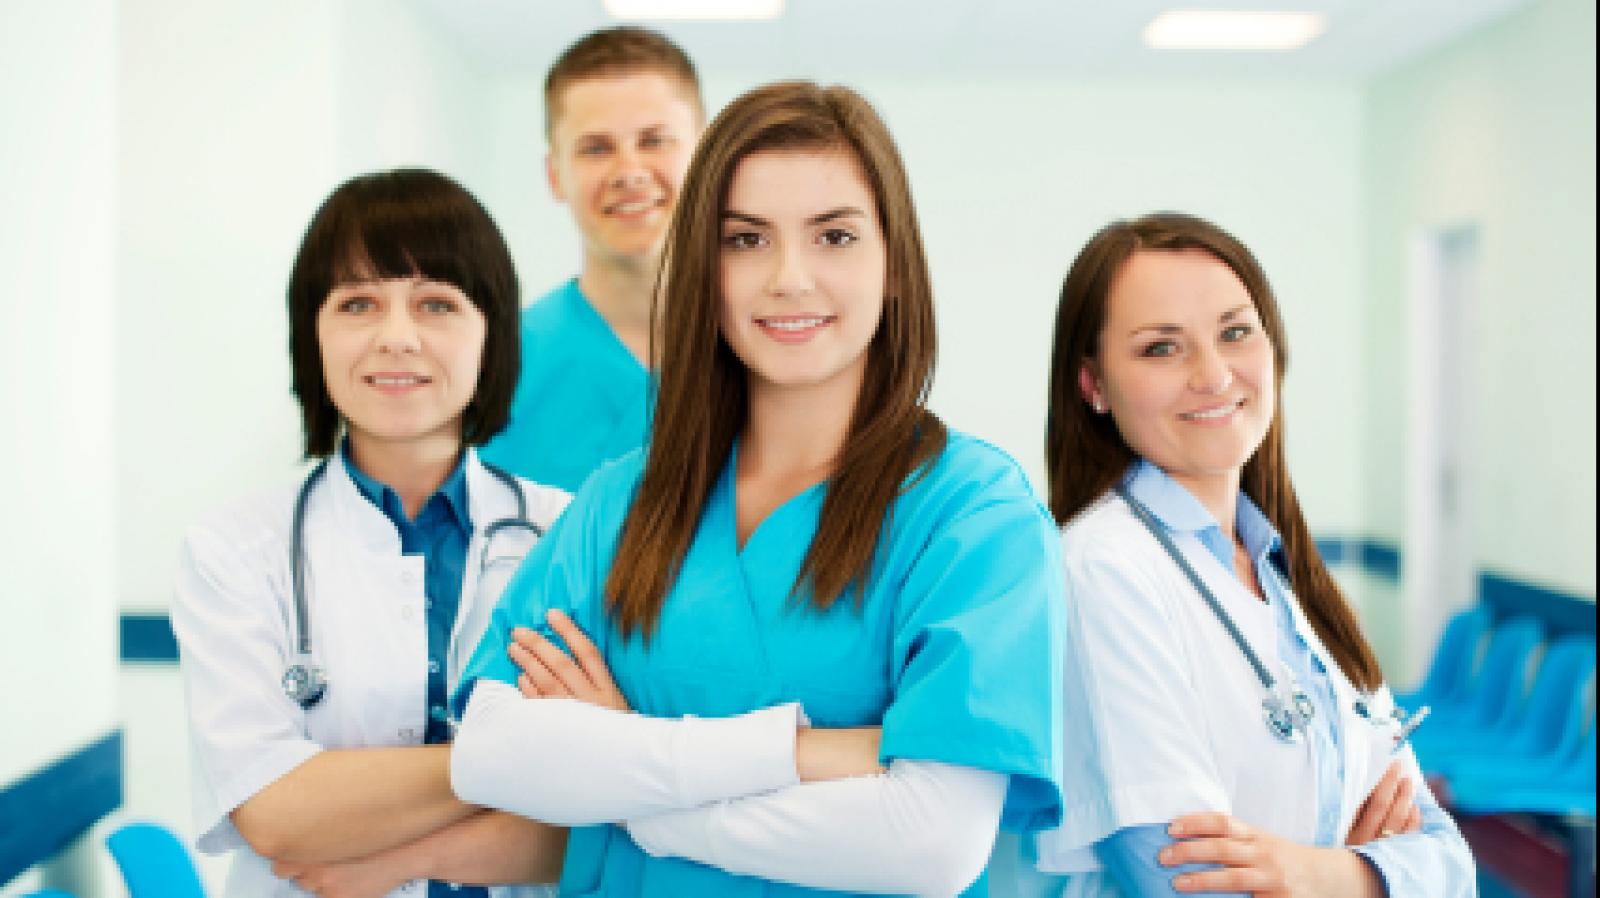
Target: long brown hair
(702,400)
(1086,455)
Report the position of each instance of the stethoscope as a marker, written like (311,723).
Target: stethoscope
(1286,707)
(304,681)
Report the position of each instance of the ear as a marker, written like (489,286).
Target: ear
(551,177)
(1089,386)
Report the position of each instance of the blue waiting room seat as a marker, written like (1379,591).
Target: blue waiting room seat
(154,863)
(1451,668)
(1544,728)
(1493,696)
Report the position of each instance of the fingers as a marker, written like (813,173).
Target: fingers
(1413,822)
(1376,809)
(1399,810)
(537,679)
(1234,879)
(1210,823)
(583,650)
(1221,851)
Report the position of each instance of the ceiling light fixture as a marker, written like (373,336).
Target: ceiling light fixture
(1207,29)
(701,10)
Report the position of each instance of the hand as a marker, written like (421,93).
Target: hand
(1260,863)
(1389,810)
(368,877)
(832,754)
(548,672)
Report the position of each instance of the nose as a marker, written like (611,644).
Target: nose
(1210,373)
(397,334)
(789,276)
(630,172)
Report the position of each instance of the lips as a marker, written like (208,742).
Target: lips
(793,328)
(635,205)
(396,381)
(1214,413)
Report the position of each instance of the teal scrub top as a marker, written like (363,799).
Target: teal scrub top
(582,398)
(955,650)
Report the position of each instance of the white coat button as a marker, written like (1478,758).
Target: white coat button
(433,665)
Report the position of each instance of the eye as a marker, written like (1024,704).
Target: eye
(743,240)
(355,305)
(1160,349)
(438,305)
(593,148)
(654,141)
(1236,333)
(837,237)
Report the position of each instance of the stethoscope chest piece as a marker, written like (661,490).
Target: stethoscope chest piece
(305,684)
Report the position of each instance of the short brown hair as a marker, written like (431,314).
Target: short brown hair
(1085,454)
(702,395)
(398,224)
(614,52)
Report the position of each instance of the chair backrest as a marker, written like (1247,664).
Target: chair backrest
(1451,668)
(1555,712)
(1495,695)
(154,863)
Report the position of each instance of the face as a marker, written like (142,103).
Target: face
(802,270)
(619,148)
(400,357)
(1184,366)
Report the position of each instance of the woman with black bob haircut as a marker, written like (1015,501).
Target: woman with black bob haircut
(1227,728)
(323,625)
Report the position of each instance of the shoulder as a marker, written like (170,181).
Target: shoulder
(551,312)
(971,471)
(607,493)
(247,523)
(1111,561)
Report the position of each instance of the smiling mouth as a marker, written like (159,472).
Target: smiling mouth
(1214,414)
(635,207)
(397,380)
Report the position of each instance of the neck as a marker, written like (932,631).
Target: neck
(414,468)
(1219,494)
(797,433)
(621,290)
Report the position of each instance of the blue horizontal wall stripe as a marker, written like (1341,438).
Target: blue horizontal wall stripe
(1560,612)
(46,811)
(147,636)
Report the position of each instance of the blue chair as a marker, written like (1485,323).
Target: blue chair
(1451,668)
(1566,790)
(154,863)
(1546,726)
(1493,696)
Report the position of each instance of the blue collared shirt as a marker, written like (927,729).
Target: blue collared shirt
(440,533)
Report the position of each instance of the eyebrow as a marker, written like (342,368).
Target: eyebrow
(819,218)
(1169,329)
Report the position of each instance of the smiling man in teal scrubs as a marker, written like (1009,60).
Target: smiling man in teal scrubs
(622,114)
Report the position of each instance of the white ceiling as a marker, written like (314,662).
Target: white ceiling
(842,39)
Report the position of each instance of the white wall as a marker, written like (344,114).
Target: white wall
(58,545)
(1496,131)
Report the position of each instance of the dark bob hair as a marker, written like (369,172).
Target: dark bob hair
(405,223)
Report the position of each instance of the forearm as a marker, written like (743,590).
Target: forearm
(923,828)
(487,848)
(571,764)
(1433,862)
(343,804)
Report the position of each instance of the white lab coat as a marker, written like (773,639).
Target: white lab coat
(1164,711)
(234,618)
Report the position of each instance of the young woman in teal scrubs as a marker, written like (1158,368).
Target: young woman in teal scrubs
(802,567)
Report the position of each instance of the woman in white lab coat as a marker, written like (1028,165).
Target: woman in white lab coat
(323,625)
(1165,452)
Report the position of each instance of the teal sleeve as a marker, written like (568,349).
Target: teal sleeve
(556,574)
(977,655)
